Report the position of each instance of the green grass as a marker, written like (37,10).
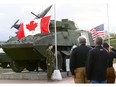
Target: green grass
(113,43)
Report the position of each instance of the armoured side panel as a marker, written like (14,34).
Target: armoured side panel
(22,53)
(64,39)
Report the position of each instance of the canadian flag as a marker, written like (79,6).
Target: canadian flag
(34,27)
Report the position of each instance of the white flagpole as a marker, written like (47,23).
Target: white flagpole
(108,24)
(55,35)
(56,74)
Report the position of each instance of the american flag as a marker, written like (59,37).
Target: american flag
(97,31)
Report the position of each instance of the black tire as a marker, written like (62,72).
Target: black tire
(31,66)
(4,65)
(16,66)
(43,65)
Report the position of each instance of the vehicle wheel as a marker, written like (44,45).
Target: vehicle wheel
(43,65)
(4,65)
(31,66)
(16,66)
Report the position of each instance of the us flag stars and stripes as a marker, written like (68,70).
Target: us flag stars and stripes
(97,31)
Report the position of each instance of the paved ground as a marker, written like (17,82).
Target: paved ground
(68,80)
(8,76)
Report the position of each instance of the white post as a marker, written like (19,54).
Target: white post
(108,24)
(55,36)
(56,74)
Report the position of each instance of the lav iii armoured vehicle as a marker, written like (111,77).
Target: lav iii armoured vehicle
(30,51)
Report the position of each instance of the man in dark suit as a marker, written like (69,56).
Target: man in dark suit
(97,63)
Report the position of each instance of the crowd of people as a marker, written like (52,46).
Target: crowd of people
(87,64)
(92,65)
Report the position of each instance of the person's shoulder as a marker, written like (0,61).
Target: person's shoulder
(75,49)
(92,49)
(89,47)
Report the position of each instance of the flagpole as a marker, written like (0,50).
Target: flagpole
(56,74)
(55,36)
(108,24)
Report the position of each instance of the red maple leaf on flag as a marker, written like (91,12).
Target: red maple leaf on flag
(31,26)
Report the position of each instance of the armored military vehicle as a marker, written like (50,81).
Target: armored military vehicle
(31,50)
(4,59)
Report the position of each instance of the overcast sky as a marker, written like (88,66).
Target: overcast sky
(86,15)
